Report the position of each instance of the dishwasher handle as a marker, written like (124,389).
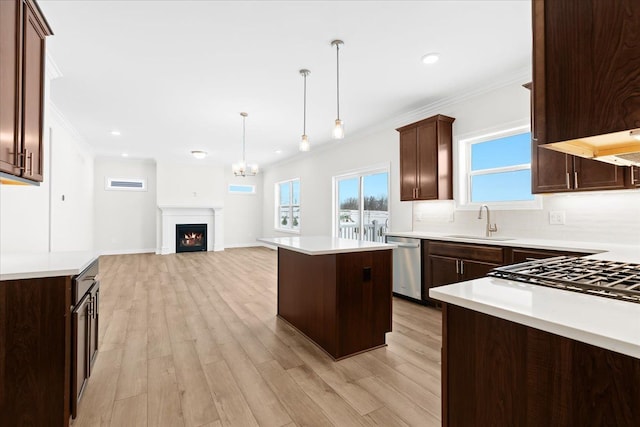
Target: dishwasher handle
(407,245)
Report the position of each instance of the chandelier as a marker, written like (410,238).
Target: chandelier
(242,168)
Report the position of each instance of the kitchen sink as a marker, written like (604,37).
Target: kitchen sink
(468,236)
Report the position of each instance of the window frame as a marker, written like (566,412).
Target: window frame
(465,174)
(277,223)
(248,193)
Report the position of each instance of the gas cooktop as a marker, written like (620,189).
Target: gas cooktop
(610,279)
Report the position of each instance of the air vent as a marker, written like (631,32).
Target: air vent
(125,184)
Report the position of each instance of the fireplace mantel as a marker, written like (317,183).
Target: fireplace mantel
(170,215)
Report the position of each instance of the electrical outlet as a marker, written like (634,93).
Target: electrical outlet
(556,217)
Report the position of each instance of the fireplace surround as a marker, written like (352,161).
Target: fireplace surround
(171,215)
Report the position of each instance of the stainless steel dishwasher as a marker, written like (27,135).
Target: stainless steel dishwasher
(406,267)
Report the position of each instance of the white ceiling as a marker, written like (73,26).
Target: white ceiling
(173,76)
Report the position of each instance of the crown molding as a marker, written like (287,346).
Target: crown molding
(52,71)
(60,118)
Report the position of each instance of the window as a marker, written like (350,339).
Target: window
(125,184)
(288,205)
(498,169)
(362,205)
(242,189)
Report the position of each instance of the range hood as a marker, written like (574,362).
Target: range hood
(618,148)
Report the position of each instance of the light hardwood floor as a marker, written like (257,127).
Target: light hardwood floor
(193,340)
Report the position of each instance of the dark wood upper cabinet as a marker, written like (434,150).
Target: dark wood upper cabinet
(426,160)
(22,58)
(586,68)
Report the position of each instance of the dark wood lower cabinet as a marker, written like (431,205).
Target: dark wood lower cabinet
(35,351)
(342,301)
(500,373)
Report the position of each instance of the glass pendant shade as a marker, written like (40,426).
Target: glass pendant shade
(338,130)
(304,144)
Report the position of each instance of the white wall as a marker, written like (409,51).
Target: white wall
(242,212)
(125,221)
(316,169)
(197,184)
(34,218)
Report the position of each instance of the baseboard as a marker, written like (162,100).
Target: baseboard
(243,245)
(126,251)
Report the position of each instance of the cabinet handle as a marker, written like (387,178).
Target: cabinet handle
(417,192)
(461,267)
(575,180)
(30,157)
(633,178)
(16,161)
(457,268)
(568,182)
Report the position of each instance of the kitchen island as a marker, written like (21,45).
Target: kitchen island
(337,292)
(528,355)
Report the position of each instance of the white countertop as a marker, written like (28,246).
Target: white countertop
(46,264)
(604,251)
(603,322)
(322,245)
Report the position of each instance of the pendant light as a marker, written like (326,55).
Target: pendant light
(338,129)
(242,168)
(304,142)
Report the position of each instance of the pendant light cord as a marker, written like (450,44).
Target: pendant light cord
(304,108)
(338,79)
(244,119)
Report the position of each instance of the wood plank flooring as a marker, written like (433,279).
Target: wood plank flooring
(193,340)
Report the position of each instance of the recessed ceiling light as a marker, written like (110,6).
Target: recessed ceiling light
(278,151)
(198,154)
(125,155)
(635,134)
(115,132)
(430,58)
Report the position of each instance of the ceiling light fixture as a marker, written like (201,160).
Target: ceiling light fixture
(635,134)
(242,168)
(198,154)
(115,133)
(431,58)
(304,142)
(125,155)
(338,129)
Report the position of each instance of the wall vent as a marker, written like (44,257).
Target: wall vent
(125,184)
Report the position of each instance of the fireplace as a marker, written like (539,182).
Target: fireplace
(191,237)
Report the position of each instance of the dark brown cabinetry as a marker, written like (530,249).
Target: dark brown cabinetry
(22,57)
(585,68)
(84,337)
(524,254)
(426,160)
(497,372)
(447,263)
(633,177)
(340,301)
(35,350)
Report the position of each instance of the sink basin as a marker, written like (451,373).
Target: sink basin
(468,236)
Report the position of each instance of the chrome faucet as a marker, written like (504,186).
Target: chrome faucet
(490,228)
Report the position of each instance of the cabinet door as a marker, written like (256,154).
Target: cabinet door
(470,270)
(443,270)
(550,171)
(93,327)
(79,354)
(633,177)
(595,175)
(9,84)
(33,95)
(427,161)
(585,68)
(408,164)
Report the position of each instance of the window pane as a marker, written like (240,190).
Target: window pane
(349,208)
(507,151)
(502,187)
(376,200)
(296,192)
(244,189)
(284,193)
(285,217)
(295,221)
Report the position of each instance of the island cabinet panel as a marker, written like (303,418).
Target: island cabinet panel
(35,351)
(341,301)
(497,372)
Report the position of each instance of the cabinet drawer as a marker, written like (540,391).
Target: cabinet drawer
(491,254)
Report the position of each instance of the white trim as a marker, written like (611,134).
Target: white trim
(127,251)
(243,245)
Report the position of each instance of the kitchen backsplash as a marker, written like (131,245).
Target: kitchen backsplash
(612,217)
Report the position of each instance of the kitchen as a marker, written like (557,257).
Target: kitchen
(60,213)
